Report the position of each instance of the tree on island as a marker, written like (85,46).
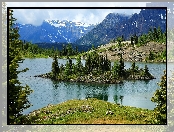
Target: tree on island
(55,67)
(79,65)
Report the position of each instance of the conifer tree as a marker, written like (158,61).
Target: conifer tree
(88,63)
(17,94)
(136,39)
(115,69)
(121,71)
(161,100)
(55,66)
(79,65)
(132,40)
(146,70)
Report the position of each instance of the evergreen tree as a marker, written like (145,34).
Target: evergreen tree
(155,34)
(88,63)
(107,64)
(133,69)
(122,38)
(67,70)
(115,69)
(160,34)
(119,40)
(132,40)
(69,50)
(70,64)
(79,65)
(135,39)
(150,35)
(64,50)
(160,98)
(55,67)
(76,50)
(100,63)
(121,71)
(151,56)
(93,47)
(17,94)
(146,70)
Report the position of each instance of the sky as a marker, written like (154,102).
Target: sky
(85,16)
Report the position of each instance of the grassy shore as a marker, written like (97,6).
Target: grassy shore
(89,111)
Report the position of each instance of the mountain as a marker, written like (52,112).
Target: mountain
(170,13)
(116,25)
(52,31)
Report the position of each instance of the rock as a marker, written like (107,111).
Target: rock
(109,112)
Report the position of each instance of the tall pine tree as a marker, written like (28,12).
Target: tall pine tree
(17,94)
(161,100)
(55,67)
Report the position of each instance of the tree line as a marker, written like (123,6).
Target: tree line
(33,50)
(154,35)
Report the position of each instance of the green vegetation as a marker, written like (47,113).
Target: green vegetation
(161,100)
(154,35)
(90,111)
(17,94)
(97,68)
(157,56)
(29,50)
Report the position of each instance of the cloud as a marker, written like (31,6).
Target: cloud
(28,16)
(88,16)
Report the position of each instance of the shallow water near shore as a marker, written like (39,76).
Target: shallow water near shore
(45,91)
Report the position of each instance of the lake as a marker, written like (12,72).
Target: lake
(45,91)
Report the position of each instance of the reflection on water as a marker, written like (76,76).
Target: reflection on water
(46,91)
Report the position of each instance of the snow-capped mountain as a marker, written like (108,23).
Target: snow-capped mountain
(54,31)
(115,25)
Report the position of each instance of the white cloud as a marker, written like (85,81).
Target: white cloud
(87,16)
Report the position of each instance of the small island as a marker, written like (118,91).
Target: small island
(97,69)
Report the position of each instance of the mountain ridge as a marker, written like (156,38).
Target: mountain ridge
(114,26)
(52,31)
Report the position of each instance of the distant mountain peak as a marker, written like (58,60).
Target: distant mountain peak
(54,31)
(115,25)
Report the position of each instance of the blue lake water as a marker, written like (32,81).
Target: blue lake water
(130,93)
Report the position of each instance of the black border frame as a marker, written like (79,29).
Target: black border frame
(8,8)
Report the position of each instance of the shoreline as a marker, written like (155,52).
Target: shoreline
(97,79)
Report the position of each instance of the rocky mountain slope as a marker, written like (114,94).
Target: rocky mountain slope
(132,53)
(116,25)
(52,31)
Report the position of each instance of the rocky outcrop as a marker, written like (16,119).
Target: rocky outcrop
(47,75)
(137,54)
